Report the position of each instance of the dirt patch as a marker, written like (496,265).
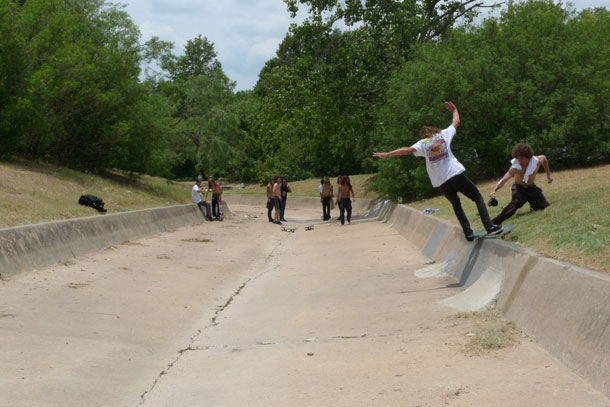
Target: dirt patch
(489,332)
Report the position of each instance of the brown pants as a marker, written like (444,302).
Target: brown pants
(521,195)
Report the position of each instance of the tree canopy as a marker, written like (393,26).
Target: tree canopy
(78,87)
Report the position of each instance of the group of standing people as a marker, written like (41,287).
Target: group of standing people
(199,196)
(345,194)
(277,194)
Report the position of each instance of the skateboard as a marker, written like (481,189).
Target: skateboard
(502,235)
(287,229)
(310,227)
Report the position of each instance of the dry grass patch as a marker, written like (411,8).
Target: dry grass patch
(490,332)
(34,193)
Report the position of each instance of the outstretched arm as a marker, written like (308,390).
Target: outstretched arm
(509,174)
(456,116)
(400,151)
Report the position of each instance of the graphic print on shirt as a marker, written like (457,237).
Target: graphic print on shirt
(436,149)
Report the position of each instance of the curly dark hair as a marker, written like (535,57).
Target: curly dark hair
(523,150)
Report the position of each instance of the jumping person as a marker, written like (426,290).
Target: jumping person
(524,167)
(216,194)
(277,199)
(284,189)
(446,172)
(201,203)
(346,204)
(327,197)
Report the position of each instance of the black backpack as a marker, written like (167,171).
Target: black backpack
(93,202)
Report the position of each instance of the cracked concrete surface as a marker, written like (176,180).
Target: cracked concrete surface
(240,313)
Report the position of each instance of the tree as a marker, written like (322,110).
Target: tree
(206,134)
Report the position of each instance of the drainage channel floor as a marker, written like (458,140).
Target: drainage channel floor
(242,313)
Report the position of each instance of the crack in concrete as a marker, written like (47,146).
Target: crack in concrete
(259,344)
(213,322)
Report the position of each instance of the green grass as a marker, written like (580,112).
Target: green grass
(575,228)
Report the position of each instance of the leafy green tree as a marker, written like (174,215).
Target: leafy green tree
(78,74)
(12,73)
(206,134)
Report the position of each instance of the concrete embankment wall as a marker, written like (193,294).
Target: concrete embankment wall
(27,247)
(563,307)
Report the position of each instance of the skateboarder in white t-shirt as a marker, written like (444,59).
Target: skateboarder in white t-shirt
(446,172)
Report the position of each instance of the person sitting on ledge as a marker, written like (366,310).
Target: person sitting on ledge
(196,196)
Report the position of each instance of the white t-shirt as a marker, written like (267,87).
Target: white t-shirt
(195,194)
(441,164)
(320,188)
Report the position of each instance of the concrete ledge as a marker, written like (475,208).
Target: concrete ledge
(27,247)
(563,307)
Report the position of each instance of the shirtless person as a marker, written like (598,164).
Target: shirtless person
(345,189)
(277,199)
(216,194)
(524,167)
(327,197)
(269,199)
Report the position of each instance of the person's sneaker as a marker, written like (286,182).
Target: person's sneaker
(270,220)
(277,222)
(469,237)
(495,229)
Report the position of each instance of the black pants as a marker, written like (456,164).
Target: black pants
(204,204)
(461,183)
(215,209)
(269,208)
(326,207)
(521,195)
(346,206)
(282,208)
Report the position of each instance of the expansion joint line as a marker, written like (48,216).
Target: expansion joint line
(213,322)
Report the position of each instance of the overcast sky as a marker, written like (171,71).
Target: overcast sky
(245,33)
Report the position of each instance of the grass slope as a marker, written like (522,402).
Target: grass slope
(35,193)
